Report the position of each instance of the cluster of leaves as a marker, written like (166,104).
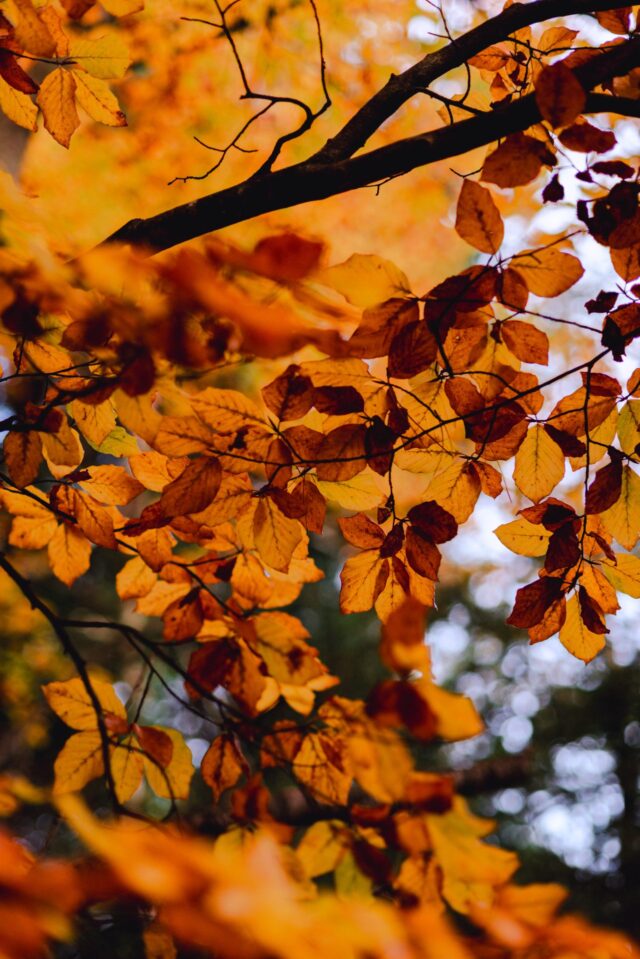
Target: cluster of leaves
(129,435)
(82,63)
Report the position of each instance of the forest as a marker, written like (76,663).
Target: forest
(319,482)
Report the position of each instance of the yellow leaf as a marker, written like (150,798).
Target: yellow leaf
(126,769)
(56,99)
(276,536)
(456,488)
(576,638)
(45,357)
(524,538)
(106,58)
(471,868)
(225,411)
(31,33)
(94,422)
(365,280)
(457,716)
(62,450)
(95,97)
(222,765)
(71,702)
(534,903)
(624,574)
(78,762)
(629,426)
(321,765)
(69,553)
(33,532)
(358,493)
(174,780)
(599,588)
(135,579)
(138,414)
(363,579)
(478,219)
(18,106)
(622,520)
(322,847)
(539,464)
(111,485)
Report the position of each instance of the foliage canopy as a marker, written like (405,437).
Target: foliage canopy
(189,421)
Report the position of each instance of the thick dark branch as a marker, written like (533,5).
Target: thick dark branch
(401,87)
(309,180)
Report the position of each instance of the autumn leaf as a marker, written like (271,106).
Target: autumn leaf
(222,765)
(478,219)
(559,94)
(56,99)
(71,702)
(539,464)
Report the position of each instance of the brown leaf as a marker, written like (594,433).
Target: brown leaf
(155,743)
(517,161)
(183,618)
(290,395)
(585,137)
(478,219)
(193,490)
(559,94)
(422,554)
(23,455)
(342,454)
(411,351)
(533,601)
(605,489)
(15,76)
(360,531)
(222,765)
(434,522)
(379,325)
(526,341)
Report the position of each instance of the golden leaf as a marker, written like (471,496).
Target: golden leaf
(321,765)
(622,520)
(363,578)
(105,58)
(624,574)
(78,762)
(95,422)
(276,536)
(365,280)
(126,768)
(56,99)
(95,97)
(70,701)
(539,464)
(69,553)
(172,781)
(225,411)
(18,106)
(576,638)
(111,485)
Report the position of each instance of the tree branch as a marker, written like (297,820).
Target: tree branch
(401,87)
(313,180)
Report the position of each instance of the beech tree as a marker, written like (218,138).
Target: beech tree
(188,422)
